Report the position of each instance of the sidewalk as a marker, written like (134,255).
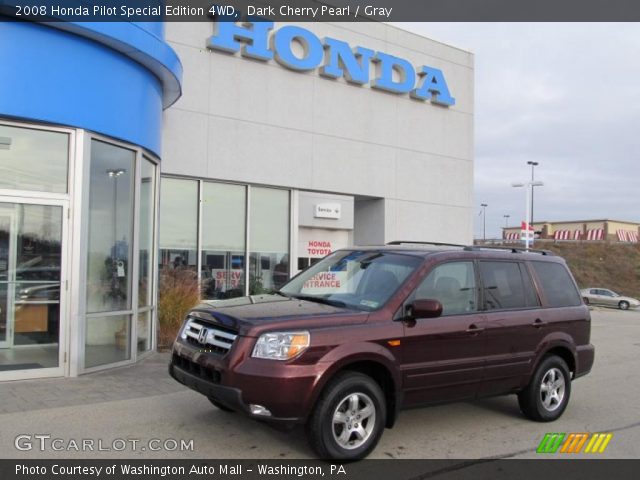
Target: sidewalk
(149,377)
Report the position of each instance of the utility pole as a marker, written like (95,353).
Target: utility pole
(484,221)
(533,166)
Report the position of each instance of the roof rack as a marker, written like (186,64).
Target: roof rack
(472,248)
(416,242)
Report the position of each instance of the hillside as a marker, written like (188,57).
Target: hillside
(613,266)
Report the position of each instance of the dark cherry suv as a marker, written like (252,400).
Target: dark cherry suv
(349,342)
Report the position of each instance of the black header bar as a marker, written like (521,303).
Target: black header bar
(324,10)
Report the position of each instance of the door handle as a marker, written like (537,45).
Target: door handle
(538,323)
(473,328)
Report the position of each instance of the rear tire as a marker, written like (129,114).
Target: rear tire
(623,305)
(348,419)
(547,395)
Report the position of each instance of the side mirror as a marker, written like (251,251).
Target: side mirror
(424,309)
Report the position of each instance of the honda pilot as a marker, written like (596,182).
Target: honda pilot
(348,343)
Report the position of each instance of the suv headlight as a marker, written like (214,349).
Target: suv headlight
(281,345)
(182,333)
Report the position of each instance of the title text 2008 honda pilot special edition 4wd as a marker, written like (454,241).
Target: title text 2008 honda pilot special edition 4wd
(349,342)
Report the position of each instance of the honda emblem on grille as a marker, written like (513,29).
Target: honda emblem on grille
(202,336)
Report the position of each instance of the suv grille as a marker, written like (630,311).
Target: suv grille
(208,336)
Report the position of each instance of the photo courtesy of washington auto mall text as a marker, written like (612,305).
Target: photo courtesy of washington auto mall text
(209,469)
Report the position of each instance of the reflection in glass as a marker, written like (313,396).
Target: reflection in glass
(144,331)
(110,222)
(30,260)
(107,340)
(146,231)
(33,159)
(178,224)
(223,240)
(269,240)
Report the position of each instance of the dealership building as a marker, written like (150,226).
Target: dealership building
(237,152)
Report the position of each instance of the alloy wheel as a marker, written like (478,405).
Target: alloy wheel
(552,389)
(354,420)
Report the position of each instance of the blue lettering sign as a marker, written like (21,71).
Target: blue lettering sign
(257,33)
(433,87)
(389,64)
(353,65)
(313,51)
(335,58)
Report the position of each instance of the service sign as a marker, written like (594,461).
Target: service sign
(328,210)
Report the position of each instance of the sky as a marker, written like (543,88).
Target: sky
(565,95)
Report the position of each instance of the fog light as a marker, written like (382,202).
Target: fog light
(259,410)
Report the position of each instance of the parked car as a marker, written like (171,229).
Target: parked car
(352,340)
(608,298)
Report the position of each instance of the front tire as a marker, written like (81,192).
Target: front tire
(348,419)
(547,395)
(623,305)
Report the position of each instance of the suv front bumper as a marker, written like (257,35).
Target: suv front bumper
(238,381)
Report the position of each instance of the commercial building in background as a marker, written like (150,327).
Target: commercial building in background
(580,230)
(241,153)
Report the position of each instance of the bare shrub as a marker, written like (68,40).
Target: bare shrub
(178,293)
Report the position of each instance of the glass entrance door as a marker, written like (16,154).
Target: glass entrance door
(30,285)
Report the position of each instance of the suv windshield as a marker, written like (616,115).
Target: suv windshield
(363,280)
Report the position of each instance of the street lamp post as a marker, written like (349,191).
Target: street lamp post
(484,222)
(533,165)
(529,186)
(506,221)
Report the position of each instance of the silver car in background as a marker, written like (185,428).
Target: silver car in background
(608,298)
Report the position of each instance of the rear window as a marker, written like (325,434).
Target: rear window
(557,285)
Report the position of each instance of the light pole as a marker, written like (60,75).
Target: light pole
(529,187)
(484,222)
(114,174)
(506,221)
(533,165)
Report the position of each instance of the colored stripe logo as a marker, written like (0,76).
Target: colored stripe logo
(550,443)
(574,443)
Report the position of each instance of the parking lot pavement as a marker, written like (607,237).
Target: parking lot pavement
(143,403)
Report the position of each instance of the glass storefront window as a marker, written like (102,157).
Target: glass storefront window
(178,224)
(119,214)
(223,240)
(33,159)
(268,239)
(110,228)
(108,340)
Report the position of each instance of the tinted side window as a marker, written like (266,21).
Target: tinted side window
(503,286)
(453,285)
(557,284)
(531,296)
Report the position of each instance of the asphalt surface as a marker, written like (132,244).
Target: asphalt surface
(107,407)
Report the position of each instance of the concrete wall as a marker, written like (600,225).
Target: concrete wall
(258,122)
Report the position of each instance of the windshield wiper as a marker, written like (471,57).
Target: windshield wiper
(326,301)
